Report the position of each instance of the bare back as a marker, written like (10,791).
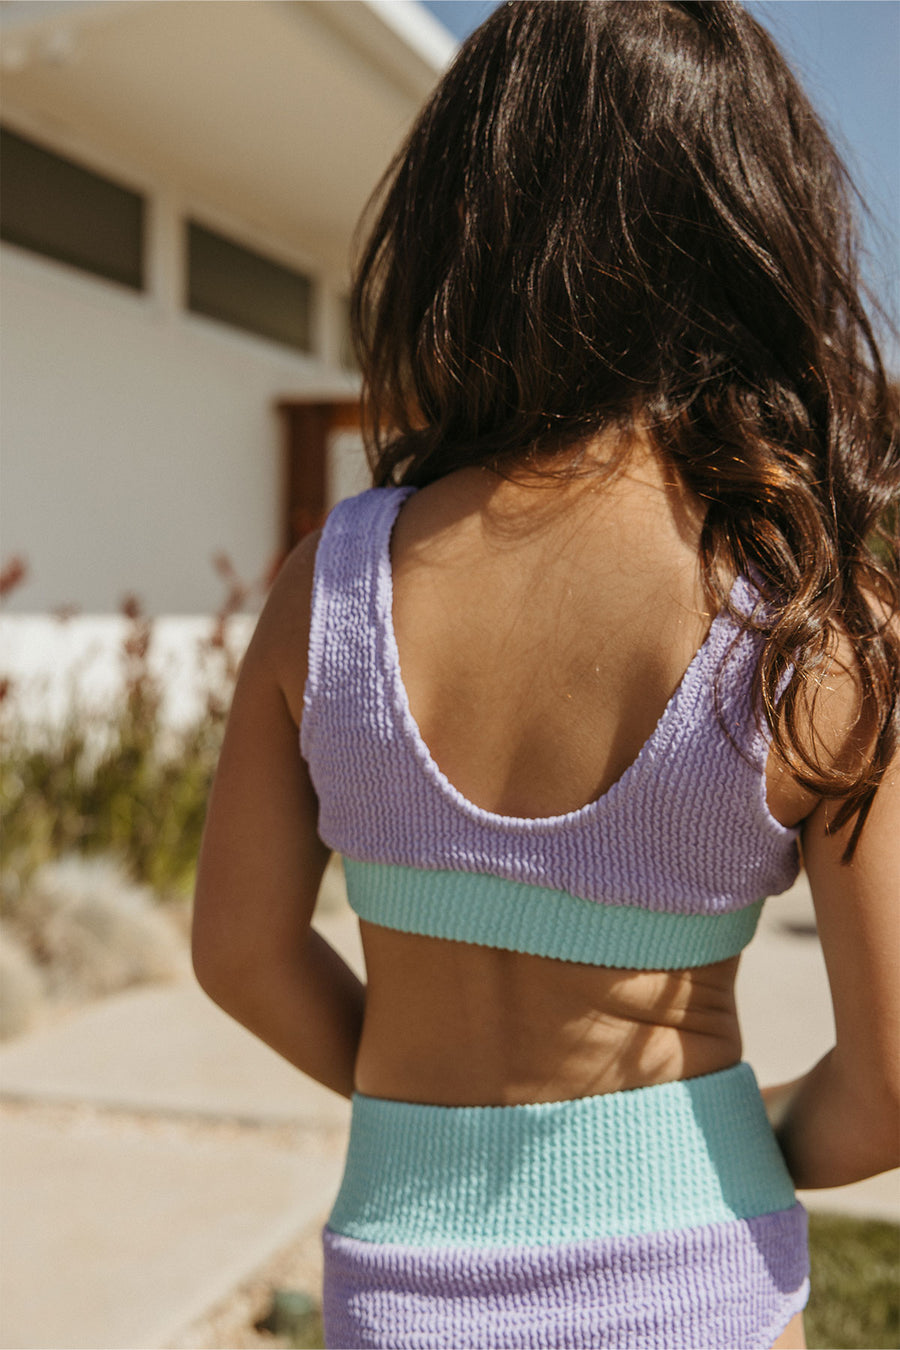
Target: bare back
(541,631)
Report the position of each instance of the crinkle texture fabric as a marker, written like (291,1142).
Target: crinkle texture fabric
(690,1152)
(657,1217)
(521,917)
(731,1286)
(685,830)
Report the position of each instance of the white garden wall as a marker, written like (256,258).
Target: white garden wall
(54,667)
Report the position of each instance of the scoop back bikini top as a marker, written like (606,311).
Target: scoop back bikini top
(667,870)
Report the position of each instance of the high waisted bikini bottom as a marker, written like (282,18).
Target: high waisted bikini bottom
(657,1217)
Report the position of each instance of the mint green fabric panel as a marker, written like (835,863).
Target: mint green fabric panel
(663,1158)
(490,911)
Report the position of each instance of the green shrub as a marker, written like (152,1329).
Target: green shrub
(117,780)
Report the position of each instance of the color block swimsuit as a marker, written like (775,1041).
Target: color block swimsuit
(656,1217)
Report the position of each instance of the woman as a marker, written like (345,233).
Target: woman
(604,645)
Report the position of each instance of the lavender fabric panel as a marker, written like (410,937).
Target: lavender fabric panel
(685,830)
(727,1286)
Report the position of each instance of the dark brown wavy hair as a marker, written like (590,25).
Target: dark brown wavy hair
(623,215)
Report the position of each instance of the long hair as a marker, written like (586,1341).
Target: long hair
(616,215)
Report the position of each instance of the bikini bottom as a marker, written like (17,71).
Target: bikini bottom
(658,1217)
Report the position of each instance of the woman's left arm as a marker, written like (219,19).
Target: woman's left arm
(261,862)
(840,1122)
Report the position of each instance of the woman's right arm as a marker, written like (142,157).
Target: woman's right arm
(841,1121)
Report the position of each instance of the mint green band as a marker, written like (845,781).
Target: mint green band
(490,911)
(656,1159)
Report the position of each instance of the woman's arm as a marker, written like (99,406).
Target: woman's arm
(261,860)
(841,1121)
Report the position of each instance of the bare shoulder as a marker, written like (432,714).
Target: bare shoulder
(281,638)
(835,722)
(842,716)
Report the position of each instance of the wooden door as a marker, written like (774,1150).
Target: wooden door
(307,425)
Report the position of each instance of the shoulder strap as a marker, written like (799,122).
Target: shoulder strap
(345,606)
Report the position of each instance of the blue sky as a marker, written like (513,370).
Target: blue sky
(847,53)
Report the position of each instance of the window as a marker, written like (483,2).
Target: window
(236,286)
(347,355)
(60,209)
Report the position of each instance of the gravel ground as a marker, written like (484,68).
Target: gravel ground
(232,1325)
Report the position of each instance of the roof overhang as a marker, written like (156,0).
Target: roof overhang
(281,113)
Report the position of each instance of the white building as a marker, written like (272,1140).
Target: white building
(182,179)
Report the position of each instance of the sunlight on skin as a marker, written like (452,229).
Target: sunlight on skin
(793,1336)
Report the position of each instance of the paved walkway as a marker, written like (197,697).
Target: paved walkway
(154,1154)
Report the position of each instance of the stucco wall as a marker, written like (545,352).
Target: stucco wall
(138,440)
(136,443)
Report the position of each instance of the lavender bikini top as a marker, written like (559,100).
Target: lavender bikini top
(667,870)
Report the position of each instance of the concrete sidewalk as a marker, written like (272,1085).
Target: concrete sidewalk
(193,1155)
(125,1223)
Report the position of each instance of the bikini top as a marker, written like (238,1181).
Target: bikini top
(667,870)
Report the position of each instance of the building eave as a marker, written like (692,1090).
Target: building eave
(281,114)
